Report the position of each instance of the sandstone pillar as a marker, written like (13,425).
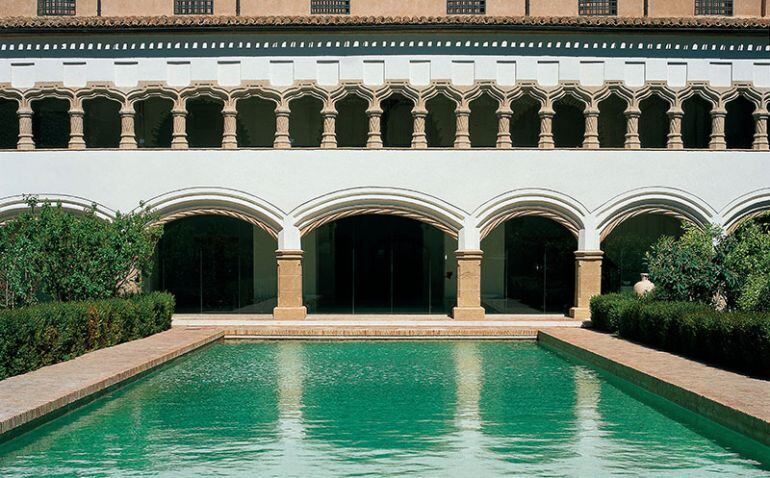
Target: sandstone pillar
(76,129)
(462,133)
(675,115)
(419,140)
(25,129)
(468,286)
(591,139)
(289,286)
(282,139)
(504,128)
(760,131)
(374,137)
(179,134)
(632,128)
(546,127)
(329,135)
(127,133)
(230,135)
(588,282)
(718,129)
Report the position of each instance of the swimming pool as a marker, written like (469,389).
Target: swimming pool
(445,408)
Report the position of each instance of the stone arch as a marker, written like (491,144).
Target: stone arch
(153,106)
(397,88)
(256,119)
(217,202)
(101,123)
(306,89)
(347,89)
(352,104)
(11,206)
(528,88)
(52,125)
(702,90)
(11,102)
(569,124)
(151,91)
(397,202)
(745,208)
(553,205)
(665,201)
(209,91)
(258,91)
(397,101)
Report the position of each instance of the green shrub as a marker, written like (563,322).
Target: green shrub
(45,334)
(607,309)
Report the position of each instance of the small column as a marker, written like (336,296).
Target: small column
(374,138)
(468,286)
(329,136)
(419,140)
(76,129)
(230,135)
(632,127)
(760,131)
(718,129)
(127,133)
(179,134)
(282,139)
(504,128)
(546,127)
(26,142)
(591,139)
(588,282)
(675,115)
(462,133)
(289,286)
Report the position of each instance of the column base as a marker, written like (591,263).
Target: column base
(290,313)
(580,313)
(468,313)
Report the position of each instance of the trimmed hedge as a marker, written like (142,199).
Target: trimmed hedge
(736,340)
(45,334)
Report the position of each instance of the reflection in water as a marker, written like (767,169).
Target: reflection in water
(317,409)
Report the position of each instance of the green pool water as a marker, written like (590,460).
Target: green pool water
(320,409)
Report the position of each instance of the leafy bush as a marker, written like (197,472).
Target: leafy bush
(45,334)
(48,253)
(606,310)
(745,258)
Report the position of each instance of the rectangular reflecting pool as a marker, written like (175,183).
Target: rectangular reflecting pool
(322,409)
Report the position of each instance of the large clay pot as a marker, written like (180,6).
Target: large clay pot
(644,286)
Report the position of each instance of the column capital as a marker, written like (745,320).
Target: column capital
(289,254)
(469,254)
(589,255)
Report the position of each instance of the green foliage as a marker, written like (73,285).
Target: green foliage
(686,269)
(745,257)
(45,334)
(48,253)
(606,310)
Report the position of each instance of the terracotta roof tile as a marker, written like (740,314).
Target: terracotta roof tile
(11,24)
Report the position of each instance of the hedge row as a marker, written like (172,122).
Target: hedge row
(49,333)
(735,340)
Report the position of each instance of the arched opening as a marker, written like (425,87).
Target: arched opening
(255,122)
(653,122)
(397,125)
(483,122)
(9,118)
(625,248)
(305,122)
(525,122)
(217,264)
(528,268)
(153,124)
(352,125)
(739,123)
(696,124)
(569,126)
(373,264)
(205,123)
(101,123)
(612,122)
(51,123)
(440,124)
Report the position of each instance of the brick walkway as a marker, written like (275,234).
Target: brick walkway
(31,396)
(734,400)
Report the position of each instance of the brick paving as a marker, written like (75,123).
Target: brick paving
(31,396)
(733,400)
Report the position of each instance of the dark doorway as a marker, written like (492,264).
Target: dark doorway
(380,264)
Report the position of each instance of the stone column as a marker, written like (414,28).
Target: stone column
(374,138)
(546,127)
(462,133)
(179,134)
(675,115)
(588,282)
(282,139)
(718,129)
(289,286)
(329,136)
(760,131)
(127,133)
(26,141)
(76,129)
(632,127)
(504,128)
(230,133)
(468,286)
(591,139)
(419,140)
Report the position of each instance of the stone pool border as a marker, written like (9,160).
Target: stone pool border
(33,398)
(732,400)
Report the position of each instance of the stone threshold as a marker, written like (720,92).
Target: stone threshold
(735,401)
(32,398)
